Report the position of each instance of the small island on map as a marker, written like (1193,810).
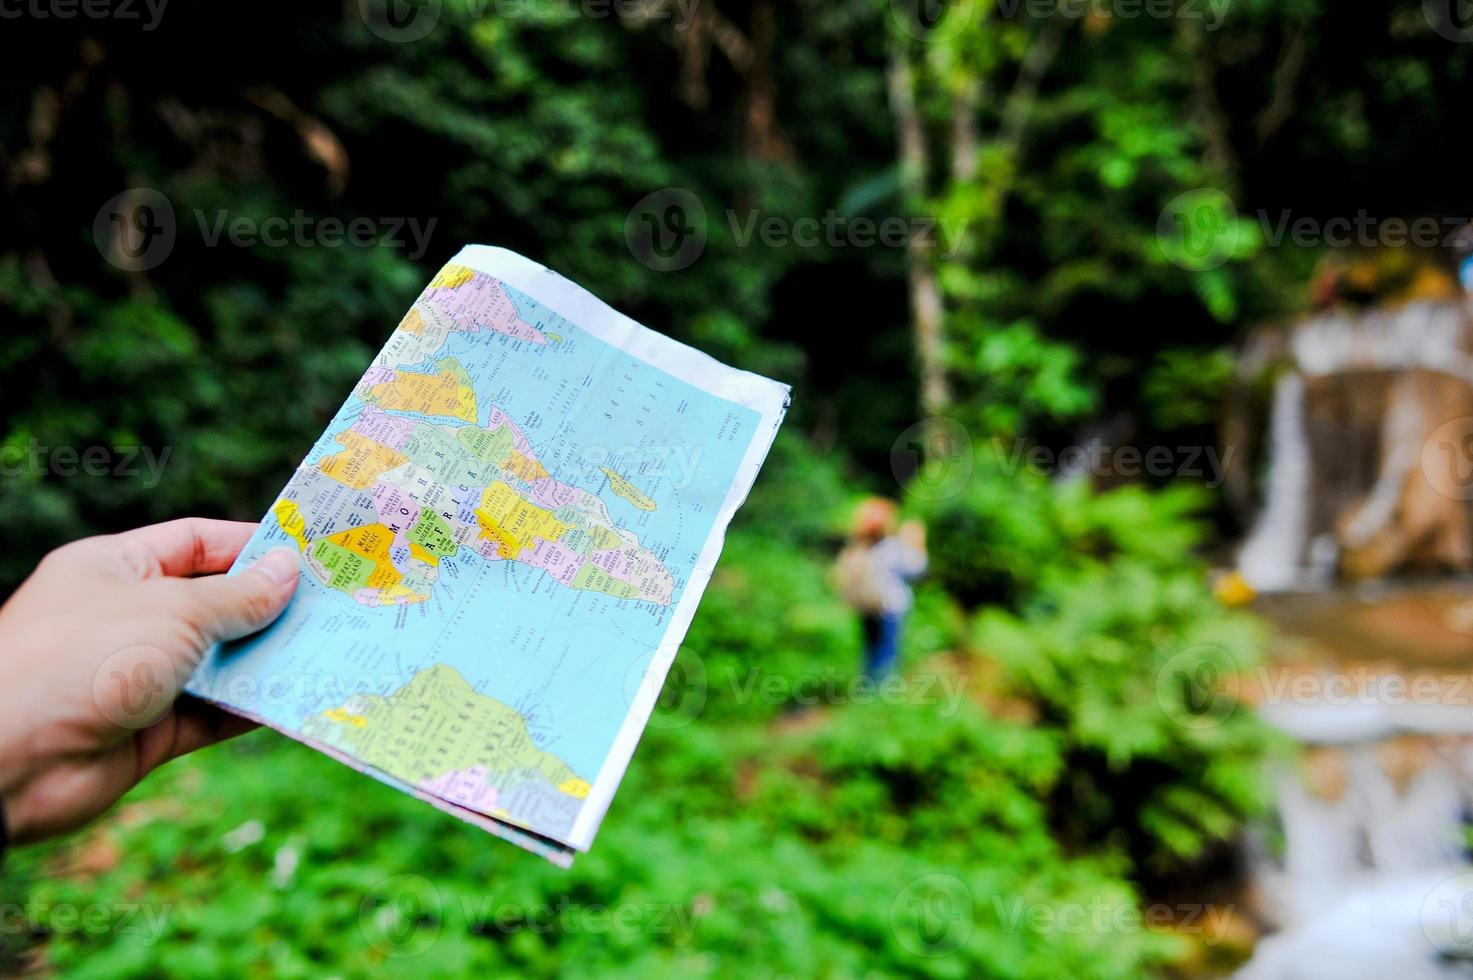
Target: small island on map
(627,490)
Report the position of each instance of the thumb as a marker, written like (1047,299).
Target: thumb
(227,607)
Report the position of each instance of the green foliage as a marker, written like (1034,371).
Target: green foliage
(1106,624)
(1188,387)
(1009,530)
(1131,659)
(892,838)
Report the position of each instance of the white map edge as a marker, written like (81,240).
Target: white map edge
(762,395)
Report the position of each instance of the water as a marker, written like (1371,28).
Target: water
(1367,875)
(1271,559)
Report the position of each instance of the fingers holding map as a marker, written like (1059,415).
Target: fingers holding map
(514,513)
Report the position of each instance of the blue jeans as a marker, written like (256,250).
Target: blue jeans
(881,643)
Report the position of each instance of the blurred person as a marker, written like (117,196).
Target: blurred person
(96,646)
(873,575)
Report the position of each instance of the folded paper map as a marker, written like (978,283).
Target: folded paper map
(505,532)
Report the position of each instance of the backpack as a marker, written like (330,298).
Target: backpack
(860,579)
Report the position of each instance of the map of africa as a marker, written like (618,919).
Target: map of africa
(498,533)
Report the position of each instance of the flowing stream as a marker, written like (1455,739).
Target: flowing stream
(1365,874)
(1365,870)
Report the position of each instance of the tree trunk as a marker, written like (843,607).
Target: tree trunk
(925,292)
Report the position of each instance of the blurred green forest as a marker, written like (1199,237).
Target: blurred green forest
(896,838)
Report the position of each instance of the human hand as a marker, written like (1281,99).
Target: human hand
(95,648)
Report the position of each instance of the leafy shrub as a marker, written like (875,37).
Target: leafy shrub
(1109,628)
